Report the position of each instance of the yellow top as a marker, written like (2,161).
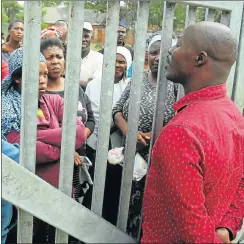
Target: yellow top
(40,113)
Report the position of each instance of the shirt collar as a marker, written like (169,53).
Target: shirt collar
(208,93)
(88,55)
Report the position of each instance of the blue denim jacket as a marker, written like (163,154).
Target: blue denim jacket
(12,152)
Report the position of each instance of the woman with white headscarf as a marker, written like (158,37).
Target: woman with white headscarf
(147,107)
(93,91)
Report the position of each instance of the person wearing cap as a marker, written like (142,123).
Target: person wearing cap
(92,61)
(121,39)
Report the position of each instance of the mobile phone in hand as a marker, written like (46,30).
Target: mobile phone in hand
(85,160)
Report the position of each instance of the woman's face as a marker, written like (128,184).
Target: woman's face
(153,56)
(43,77)
(55,62)
(120,67)
(16,32)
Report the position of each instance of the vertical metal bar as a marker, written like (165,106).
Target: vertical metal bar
(236,25)
(134,109)
(167,31)
(166,42)
(240,235)
(206,14)
(225,18)
(187,15)
(181,92)
(238,85)
(190,15)
(105,115)
(29,97)
(76,20)
(211,15)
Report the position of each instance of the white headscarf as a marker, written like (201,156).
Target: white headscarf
(126,54)
(154,39)
(158,38)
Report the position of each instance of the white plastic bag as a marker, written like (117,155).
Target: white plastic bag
(116,156)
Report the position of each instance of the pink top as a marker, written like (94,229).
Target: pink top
(49,134)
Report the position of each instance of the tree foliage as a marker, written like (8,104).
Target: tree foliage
(100,6)
(180,15)
(51,3)
(4,16)
(12,10)
(156,13)
(128,13)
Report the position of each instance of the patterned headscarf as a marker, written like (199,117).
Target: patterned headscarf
(11,99)
(54,31)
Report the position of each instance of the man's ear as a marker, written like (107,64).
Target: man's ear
(201,58)
(18,81)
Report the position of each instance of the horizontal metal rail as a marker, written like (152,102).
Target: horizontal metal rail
(30,193)
(222,5)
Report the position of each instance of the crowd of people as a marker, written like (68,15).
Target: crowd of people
(195,187)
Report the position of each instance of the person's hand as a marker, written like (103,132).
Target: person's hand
(147,136)
(77,159)
(224,235)
(141,140)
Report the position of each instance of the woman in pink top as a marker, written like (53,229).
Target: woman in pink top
(49,119)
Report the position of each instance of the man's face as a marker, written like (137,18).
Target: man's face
(180,61)
(121,34)
(86,41)
(153,57)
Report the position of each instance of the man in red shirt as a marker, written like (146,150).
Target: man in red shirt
(195,186)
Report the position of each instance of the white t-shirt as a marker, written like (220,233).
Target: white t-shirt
(91,66)
(93,91)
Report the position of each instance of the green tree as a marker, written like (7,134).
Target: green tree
(156,13)
(13,10)
(128,13)
(51,3)
(180,15)
(4,16)
(96,5)
(200,14)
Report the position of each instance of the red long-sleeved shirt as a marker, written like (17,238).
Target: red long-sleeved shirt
(49,134)
(196,178)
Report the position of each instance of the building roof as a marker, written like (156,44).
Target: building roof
(61,13)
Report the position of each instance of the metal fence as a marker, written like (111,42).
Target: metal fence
(59,206)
